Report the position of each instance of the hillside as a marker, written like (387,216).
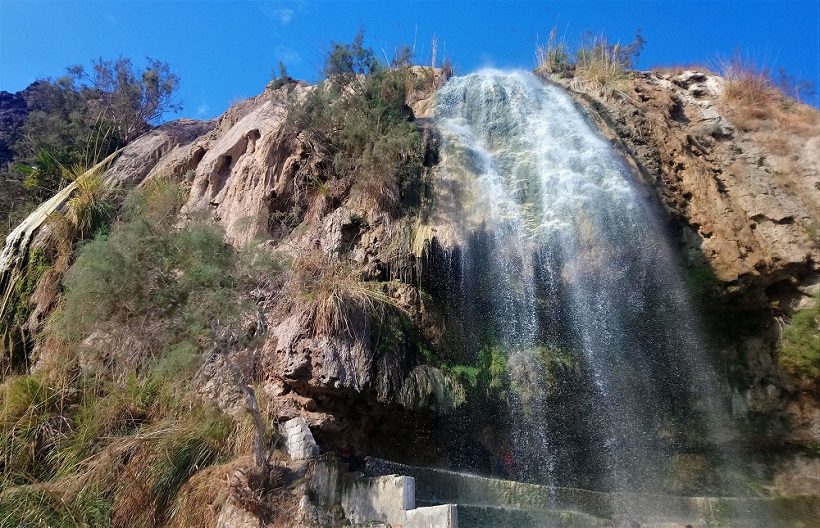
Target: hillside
(305,250)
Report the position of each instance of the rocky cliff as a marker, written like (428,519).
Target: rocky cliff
(740,196)
(346,334)
(739,185)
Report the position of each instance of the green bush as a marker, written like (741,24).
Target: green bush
(357,125)
(800,344)
(171,290)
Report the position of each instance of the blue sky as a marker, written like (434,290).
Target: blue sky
(226,50)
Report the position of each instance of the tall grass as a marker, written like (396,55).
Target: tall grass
(600,66)
(748,89)
(552,57)
(121,457)
(596,65)
(333,296)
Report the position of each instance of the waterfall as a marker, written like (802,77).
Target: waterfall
(566,275)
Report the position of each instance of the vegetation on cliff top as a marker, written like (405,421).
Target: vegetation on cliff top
(595,64)
(77,120)
(358,125)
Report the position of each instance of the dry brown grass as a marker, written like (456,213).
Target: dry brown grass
(757,103)
(200,500)
(332,294)
(774,142)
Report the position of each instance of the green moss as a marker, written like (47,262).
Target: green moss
(800,344)
(493,374)
(19,308)
(36,265)
(466,375)
(813,448)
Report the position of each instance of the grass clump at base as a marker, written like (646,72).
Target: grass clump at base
(30,508)
(119,458)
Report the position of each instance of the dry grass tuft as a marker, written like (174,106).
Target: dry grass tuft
(757,102)
(748,85)
(333,294)
(553,56)
(200,500)
(601,67)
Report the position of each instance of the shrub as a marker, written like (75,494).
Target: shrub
(333,295)
(81,118)
(800,344)
(356,125)
(149,289)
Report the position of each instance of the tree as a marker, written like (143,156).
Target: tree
(82,117)
(131,99)
(346,61)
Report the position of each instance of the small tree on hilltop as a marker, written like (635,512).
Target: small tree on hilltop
(131,99)
(345,62)
(82,117)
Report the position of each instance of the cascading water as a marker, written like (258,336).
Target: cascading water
(567,279)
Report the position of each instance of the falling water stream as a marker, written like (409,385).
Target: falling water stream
(565,272)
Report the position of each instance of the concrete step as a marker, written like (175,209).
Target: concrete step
(495,517)
(472,516)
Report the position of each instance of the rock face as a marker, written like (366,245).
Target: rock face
(741,194)
(742,202)
(258,181)
(746,209)
(741,197)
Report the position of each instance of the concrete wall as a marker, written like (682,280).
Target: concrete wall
(443,516)
(377,499)
(298,439)
(392,499)
(442,486)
